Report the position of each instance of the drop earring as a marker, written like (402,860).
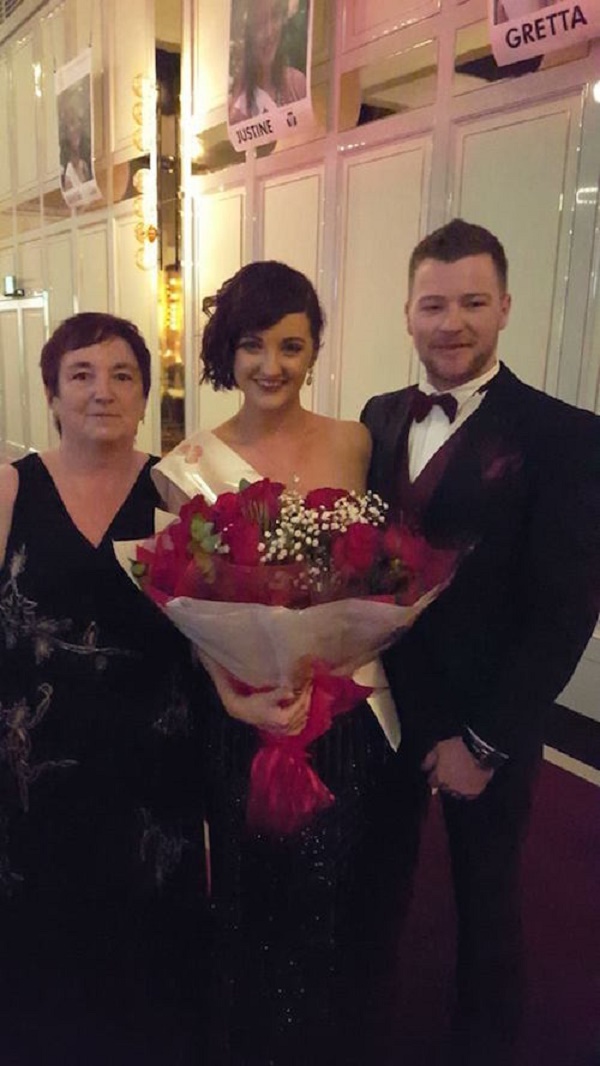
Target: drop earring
(309,376)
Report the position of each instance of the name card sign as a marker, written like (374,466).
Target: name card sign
(521,29)
(269,71)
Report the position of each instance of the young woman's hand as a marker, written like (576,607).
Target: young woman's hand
(282,710)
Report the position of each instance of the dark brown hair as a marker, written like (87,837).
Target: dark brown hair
(255,298)
(456,240)
(83,330)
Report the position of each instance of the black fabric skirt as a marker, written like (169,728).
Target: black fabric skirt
(287,908)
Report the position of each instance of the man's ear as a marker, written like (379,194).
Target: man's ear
(407,317)
(505,306)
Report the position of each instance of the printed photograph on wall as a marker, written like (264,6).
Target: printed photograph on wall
(522,29)
(73,84)
(269,70)
(510,9)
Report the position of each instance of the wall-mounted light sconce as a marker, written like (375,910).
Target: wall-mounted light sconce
(145,233)
(144,116)
(144,113)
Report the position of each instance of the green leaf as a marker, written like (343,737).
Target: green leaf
(200,528)
(210,542)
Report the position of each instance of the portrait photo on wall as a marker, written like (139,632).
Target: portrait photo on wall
(269,69)
(73,84)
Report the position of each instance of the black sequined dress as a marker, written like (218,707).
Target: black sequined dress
(298,918)
(100,827)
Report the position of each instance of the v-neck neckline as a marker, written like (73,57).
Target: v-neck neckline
(66,512)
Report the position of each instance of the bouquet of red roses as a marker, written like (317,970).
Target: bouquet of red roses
(274,586)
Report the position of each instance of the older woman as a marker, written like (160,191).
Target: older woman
(92,719)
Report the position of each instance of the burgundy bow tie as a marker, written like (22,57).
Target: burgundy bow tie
(424,401)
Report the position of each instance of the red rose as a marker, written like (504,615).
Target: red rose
(354,551)
(411,549)
(427,566)
(261,501)
(226,509)
(161,565)
(325,498)
(243,539)
(197,505)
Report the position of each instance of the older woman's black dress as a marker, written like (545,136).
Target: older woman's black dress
(100,824)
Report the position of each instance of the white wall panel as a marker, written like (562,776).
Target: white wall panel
(5,156)
(515,174)
(30,270)
(84,23)
(53,56)
(14,414)
(291,221)
(7,262)
(211,56)
(34,335)
(385,195)
(364,22)
(132,29)
(291,229)
(92,268)
(134,301)
(24,105)
(59,261)
(218,253)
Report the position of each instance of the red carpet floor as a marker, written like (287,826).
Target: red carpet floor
(561,904)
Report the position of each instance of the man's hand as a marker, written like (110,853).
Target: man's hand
(450,767)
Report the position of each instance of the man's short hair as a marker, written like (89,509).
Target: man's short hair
(456,240)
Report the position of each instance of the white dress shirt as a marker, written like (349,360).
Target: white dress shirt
(426,437)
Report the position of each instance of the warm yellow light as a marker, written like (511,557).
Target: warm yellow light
(596,92)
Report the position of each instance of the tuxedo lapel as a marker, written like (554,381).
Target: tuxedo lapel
(387,418)
(484,468)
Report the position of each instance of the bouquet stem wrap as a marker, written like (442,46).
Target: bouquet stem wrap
(285,793)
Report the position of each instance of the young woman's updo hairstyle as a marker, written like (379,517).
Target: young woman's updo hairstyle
(254,299)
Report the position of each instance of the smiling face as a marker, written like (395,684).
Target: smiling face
(271,364)
(100,395)
(266,24)
(454,314)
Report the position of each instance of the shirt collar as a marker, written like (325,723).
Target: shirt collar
(462,393)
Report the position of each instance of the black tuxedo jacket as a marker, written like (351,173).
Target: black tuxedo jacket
(522,488)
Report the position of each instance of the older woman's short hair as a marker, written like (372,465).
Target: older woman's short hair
(255,298)
(83,330)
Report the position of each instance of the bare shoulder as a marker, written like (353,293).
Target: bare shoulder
(345,452)
(9,484)
(294,84)
(353,436)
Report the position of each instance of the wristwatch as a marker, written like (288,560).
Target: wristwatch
(487,758)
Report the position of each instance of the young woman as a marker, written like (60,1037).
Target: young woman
(265,80)
(293,911)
